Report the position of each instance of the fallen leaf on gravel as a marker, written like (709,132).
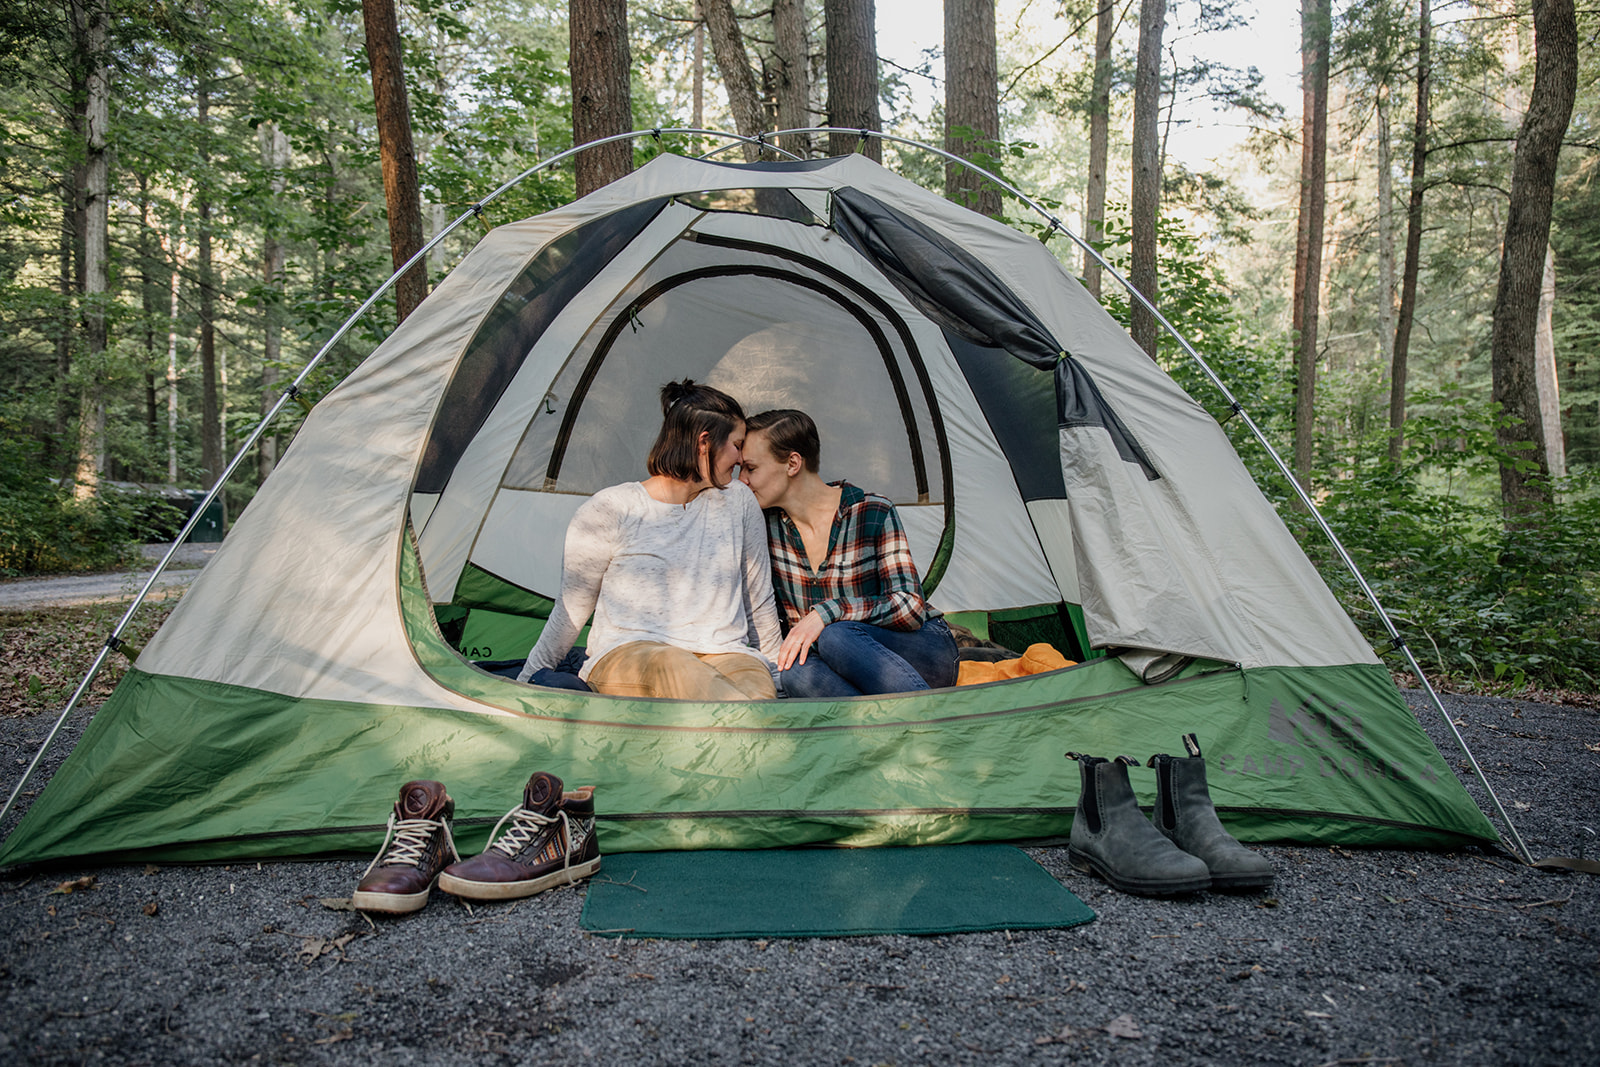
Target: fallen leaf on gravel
(315,947)
(1123,1026)
(76,884)
(641,974)
(1066,1033)
(337,904)
(150,869)
(1318,1015)
(342,1035)
(1592,748)
(151,908)
(1268,902)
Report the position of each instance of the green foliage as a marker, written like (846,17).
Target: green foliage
(1475,601)
(43,530)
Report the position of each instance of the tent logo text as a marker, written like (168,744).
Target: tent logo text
(1318,729)
(1336,738)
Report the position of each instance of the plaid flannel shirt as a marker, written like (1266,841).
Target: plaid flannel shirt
(867,576)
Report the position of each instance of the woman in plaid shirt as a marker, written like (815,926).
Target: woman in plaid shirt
(848,593)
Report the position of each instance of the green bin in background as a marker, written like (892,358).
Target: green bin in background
(209,529)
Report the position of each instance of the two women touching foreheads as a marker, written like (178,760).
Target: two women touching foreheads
(698,596)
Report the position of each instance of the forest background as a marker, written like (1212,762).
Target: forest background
(192,199)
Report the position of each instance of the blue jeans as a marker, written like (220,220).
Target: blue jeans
(564,676)
(856,658)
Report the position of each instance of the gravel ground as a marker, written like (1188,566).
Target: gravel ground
(1357,957)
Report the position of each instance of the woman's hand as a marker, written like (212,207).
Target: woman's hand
(801,637)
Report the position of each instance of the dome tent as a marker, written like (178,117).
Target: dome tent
(1053,480)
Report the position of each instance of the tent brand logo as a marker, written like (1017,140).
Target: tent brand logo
(1329,765)
(1317,729)
(1337,738)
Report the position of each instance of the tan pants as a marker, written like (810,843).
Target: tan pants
(651,669)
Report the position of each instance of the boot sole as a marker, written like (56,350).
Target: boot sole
(389,903)
(467,889)
(1141,887)
(1242,883)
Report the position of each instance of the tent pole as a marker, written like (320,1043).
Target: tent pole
(114,641)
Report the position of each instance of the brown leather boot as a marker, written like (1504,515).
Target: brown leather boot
(400,875)
(550,842)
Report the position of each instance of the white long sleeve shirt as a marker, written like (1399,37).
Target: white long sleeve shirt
(696,576)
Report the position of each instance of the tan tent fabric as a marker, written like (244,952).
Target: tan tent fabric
(303,598)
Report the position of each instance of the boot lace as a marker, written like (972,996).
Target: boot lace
(527,825)
(411,838)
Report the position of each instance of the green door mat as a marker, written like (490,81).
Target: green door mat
(826,892)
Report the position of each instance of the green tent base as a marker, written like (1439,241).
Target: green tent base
(1315,755)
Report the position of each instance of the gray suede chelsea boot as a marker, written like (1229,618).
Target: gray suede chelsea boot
(1112,838)
(1185,816)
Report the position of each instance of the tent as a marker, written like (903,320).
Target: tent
(1055,484)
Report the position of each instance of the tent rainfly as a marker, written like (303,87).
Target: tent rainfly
(1055,483)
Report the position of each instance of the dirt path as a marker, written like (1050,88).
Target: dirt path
(80,589)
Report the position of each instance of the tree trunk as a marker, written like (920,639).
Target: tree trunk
(147,306)
(59,455)
(727,48)
(1385,229)
(401,192)
(1516,304)
(1408,276)
(1145,203)
(1094,206)
(971,101)
(852,69)
(172,368)
(69,260)
(699,122)
(1315,27)
(275,155)
(96,276)
(210,410)
(602,100)
(792,53)
(1544,363)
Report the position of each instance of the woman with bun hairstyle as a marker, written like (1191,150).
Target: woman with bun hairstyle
(674,569)
(847,588)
